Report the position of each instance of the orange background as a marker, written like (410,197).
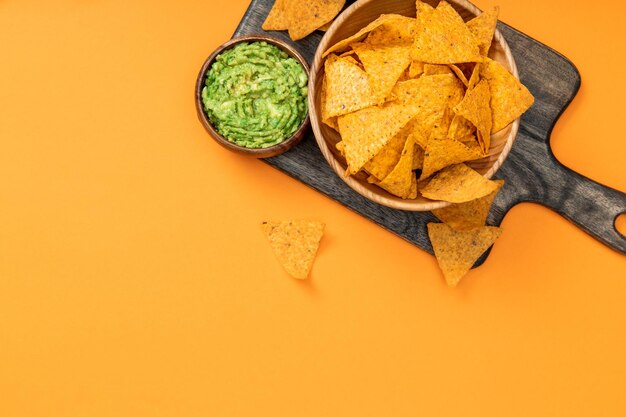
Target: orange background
(135,281)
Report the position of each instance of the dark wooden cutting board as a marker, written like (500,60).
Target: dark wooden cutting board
(531,171)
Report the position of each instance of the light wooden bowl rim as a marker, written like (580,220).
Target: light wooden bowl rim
(270,151)
(354,183)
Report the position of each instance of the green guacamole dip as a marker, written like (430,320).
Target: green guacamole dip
(255,95)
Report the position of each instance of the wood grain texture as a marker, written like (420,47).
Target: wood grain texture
(531,171)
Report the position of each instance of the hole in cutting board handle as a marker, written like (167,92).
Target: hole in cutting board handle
(620,224)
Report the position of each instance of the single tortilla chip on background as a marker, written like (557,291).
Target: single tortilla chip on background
(295,244)
(302,18)
(305,17)
(458,184)
(457,250)
(465,216)
(277,19)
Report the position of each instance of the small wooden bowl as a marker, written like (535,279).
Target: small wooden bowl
(270,151)
(354,18)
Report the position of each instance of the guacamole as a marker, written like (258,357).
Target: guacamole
(255,95)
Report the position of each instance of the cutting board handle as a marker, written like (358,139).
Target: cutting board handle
(591,206)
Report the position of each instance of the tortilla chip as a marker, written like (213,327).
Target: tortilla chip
(332,123)
(457,250)
(401,180)
(459,73)
(385,19)
(483,27)
(469,141)
(458,184)
(404,76)
(439,88)
(466,68)
(475,108)
(400,32)
(441,153)
(350,57)
(434,69)
(456,95)
(295,244)
(475,77)
(384,161)
(419,137)
(305,17)
(277,18)
(365,132)
(422,8)
(509,98)
(326,119)
(384,65)
(416,69)
(431,93)
(347,54)
(443,38)
(418,158)
(460,127)
(325,27)
(339,147)
(347,87)
(441,127)
(468,215)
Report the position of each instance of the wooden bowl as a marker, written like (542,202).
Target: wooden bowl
(273,150)
(354,18)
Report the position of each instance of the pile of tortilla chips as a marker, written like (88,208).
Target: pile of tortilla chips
(415,98)
(301,18)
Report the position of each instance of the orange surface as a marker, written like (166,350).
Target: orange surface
(135,281)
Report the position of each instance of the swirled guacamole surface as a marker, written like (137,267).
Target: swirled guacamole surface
(255,95)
